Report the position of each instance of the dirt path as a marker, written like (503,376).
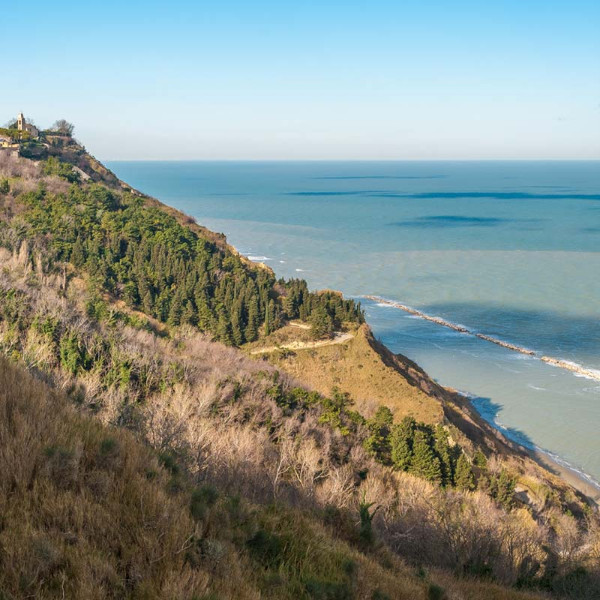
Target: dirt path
(338,338)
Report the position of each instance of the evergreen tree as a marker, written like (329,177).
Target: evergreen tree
(502,488)
(401,443)
(444,454)
(424,463)
(188,315)
(148,302)
(289,306)
(252,326)
(78,253)
(479,460)
(236,325)
(224,329)
(175,310)
(378,441)
(321,323)
(463,477)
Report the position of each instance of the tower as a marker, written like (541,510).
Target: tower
(21,122)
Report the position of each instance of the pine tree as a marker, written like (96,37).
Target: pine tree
(223,329)
(502,488)
(378,441)
(401,443)
(479,460)
(289,306)
(252,326)
(463,477)
(148,302)
(321,323)
(424,462)
(78,253)
(236,327)
(444,453)
(176,309)
(188,315)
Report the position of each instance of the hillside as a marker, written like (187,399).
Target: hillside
(130,316)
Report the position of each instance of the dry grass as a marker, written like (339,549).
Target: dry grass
(355,367)
(89,513)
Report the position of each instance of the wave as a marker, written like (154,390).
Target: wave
(567,365)
(259,258)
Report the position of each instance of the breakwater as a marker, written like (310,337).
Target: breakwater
(555,362)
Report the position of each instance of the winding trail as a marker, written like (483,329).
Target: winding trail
(555,362)
(338,338)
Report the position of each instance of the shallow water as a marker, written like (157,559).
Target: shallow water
(509,249)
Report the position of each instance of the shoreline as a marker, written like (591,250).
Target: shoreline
(579,480)
(576,479)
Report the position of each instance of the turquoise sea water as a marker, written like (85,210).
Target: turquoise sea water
(509,249)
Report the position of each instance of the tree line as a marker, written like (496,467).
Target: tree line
(145,257)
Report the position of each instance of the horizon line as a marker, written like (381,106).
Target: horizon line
(349,160)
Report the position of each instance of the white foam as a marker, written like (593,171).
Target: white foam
(535,387)
(301,270)
(259,258)
(576,369)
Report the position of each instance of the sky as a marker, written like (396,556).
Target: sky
(309,80)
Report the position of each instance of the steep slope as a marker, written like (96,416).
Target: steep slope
(75,262)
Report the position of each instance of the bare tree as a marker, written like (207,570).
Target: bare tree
(64,127)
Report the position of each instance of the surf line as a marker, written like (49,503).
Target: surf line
(555,362)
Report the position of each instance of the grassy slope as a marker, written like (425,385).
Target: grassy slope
(88,512)
(356,367)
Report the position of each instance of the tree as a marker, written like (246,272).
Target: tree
(424,462)
(444,453)
(321,323)
(224,329)
(378,442)
(4,186)
(64,127)
(463,477)
(401,443)
(502,488)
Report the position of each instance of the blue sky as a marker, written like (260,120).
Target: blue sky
(310,80)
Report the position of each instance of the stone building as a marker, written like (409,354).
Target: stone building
(23,125)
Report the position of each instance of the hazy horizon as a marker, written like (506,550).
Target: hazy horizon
(340,81)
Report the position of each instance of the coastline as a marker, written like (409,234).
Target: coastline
(570,475)
(585,485)
(555,465)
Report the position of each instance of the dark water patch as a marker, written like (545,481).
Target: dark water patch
(355,177)
(334,193)
(454,221)
(447,195)
(550,187)
(507,196)
(489,410)
(559,334)
(590,230)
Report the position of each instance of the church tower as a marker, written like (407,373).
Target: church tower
(21,122)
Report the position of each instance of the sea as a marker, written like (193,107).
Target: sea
(510,250)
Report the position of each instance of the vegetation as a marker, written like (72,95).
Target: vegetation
(145,257)
(223,476)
